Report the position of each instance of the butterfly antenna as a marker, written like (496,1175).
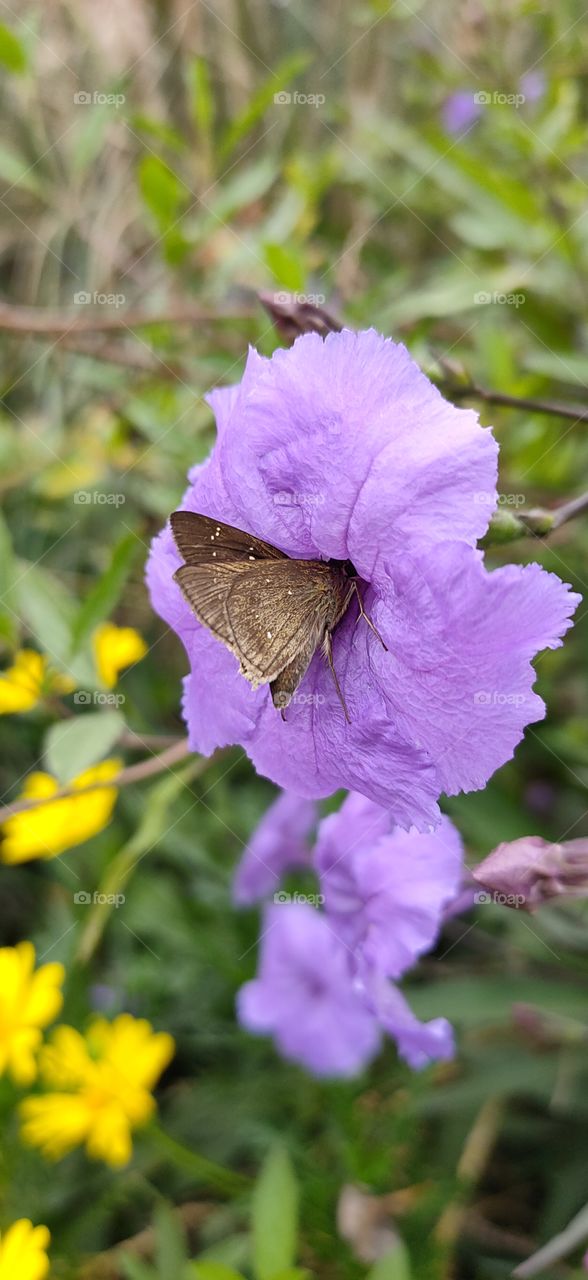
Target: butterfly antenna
(328,651)
(366,617)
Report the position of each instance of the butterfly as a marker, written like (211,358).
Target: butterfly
(271,611)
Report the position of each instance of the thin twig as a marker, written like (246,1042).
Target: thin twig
(555,408)
(133,773)
(575,1234)
(38,320)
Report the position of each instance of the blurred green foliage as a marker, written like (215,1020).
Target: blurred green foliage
(151,158)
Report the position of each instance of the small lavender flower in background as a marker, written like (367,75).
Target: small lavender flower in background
(460,110)
(280,843)
(322,990)
(378,469)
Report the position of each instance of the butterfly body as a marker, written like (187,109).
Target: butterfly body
(271,611)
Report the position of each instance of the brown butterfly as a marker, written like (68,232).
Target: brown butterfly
(272,612)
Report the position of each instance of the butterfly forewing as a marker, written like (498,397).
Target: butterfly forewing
(272,612)
(201,540)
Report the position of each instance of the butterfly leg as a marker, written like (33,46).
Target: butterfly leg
(366,617)
(328,652)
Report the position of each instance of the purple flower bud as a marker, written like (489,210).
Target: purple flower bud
(531,871)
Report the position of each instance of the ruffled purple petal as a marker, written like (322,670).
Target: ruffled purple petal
(305,997)
(343,448)
(280,843)
(458,677)
(385,889)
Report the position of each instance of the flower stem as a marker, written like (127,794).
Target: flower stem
(204,1170)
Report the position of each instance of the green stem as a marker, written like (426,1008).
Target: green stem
(203,1169)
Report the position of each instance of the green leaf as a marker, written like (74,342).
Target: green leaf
(9,621)
(285,72)
(74,745)
(49,610)
(106,593)
(274,1216)
(213,1271)
(18,172)
(163,192)
(286,266)
(133,1269)
(170,1253)
(394,1266)
(12,51)
(201,96)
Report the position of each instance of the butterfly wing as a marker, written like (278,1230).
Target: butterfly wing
(200,540)
(272,615)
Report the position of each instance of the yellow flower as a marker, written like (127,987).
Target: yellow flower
(101,1085)
(28,1001)
(23,1251)
(114,649)
(29,679)
(48,829)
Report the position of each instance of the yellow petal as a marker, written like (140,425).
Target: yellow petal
(114,649)
(23,1252)
(50,828)
(21,684)
(56,1123)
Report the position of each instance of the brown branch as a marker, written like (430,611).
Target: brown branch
(133,773)
(26,321)
(555,408)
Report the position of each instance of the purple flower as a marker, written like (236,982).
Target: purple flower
(386,890)
(305,995)
(278,844)
(460,110)
(343,448)
(322,989)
